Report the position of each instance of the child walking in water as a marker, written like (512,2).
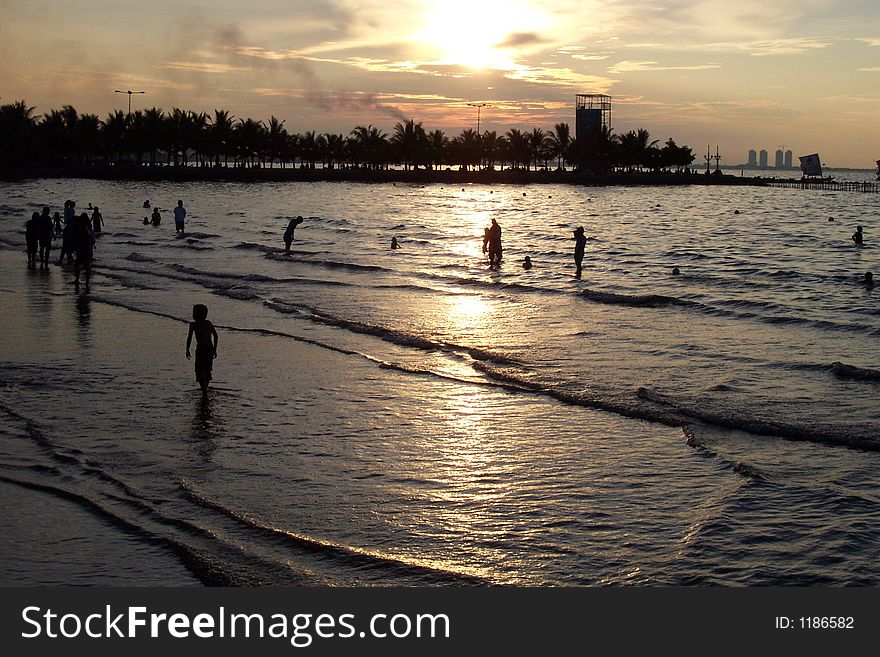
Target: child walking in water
(206,345)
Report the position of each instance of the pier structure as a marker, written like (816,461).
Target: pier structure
(825,185)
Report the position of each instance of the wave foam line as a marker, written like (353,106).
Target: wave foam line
(358,557)
(206,570)
(758,426)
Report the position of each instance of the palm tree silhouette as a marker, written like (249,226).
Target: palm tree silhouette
(220,134)
(558,143)
(277,140)
(67,137)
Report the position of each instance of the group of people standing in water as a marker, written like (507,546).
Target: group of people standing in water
(156,218)
(494,250)
(77,234)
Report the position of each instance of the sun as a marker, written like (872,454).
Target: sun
(476,33)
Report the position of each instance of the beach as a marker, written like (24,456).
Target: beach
(414,417)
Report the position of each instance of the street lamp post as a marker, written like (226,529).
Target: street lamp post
(130,93)
(479,106)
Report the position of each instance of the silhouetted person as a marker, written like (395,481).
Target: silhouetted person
(85,249)
(146,221)
(830,218)
(206,345)
(147,204)
(580,243)
(156,218)
(69,212)
(868,281)
(676,271)
(179,217)
(289,232)
(492,242)
(56,219)
(857,237)
(45,233)
(527,263)
(97,220)
(68,241)
(394,244)
(31,238)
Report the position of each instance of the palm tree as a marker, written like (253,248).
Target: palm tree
(250,141)
(197,135)
(113,134)
(335,149)
(635,148)
(308,148)
(88,137)
(16,132)
(369,145)
(220,135)
(465,149)
(277,140)
(411,144)
(51,136)
(492,146)
(518,149)
(538,149)
(558,142)
(438,148)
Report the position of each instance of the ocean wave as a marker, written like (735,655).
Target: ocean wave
(251,246)
(698,409)
(279,255)
(199,236)
(134,256)
(852,372)
(360,558)
(240,293)
(395,336)
(635,300)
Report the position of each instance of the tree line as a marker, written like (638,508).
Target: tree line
(152,137)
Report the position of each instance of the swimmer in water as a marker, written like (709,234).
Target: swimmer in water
(527,263)
(868,281)
(676,271)
(857,237)
(394,244)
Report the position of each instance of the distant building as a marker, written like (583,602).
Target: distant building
(788,159)
(779,158)
(762,161)
(753,158)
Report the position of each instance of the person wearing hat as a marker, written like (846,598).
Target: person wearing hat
(580,242)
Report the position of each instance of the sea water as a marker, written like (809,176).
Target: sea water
(415,416)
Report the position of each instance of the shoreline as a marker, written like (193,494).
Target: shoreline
(421,176)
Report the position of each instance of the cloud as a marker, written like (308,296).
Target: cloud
(792,46)
(756,48)
(520,39)
(205,67)
(871,69)
(871,42)
(628,66)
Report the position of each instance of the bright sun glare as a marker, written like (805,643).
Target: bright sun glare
(473,32)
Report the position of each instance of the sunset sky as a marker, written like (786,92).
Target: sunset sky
(803,74)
